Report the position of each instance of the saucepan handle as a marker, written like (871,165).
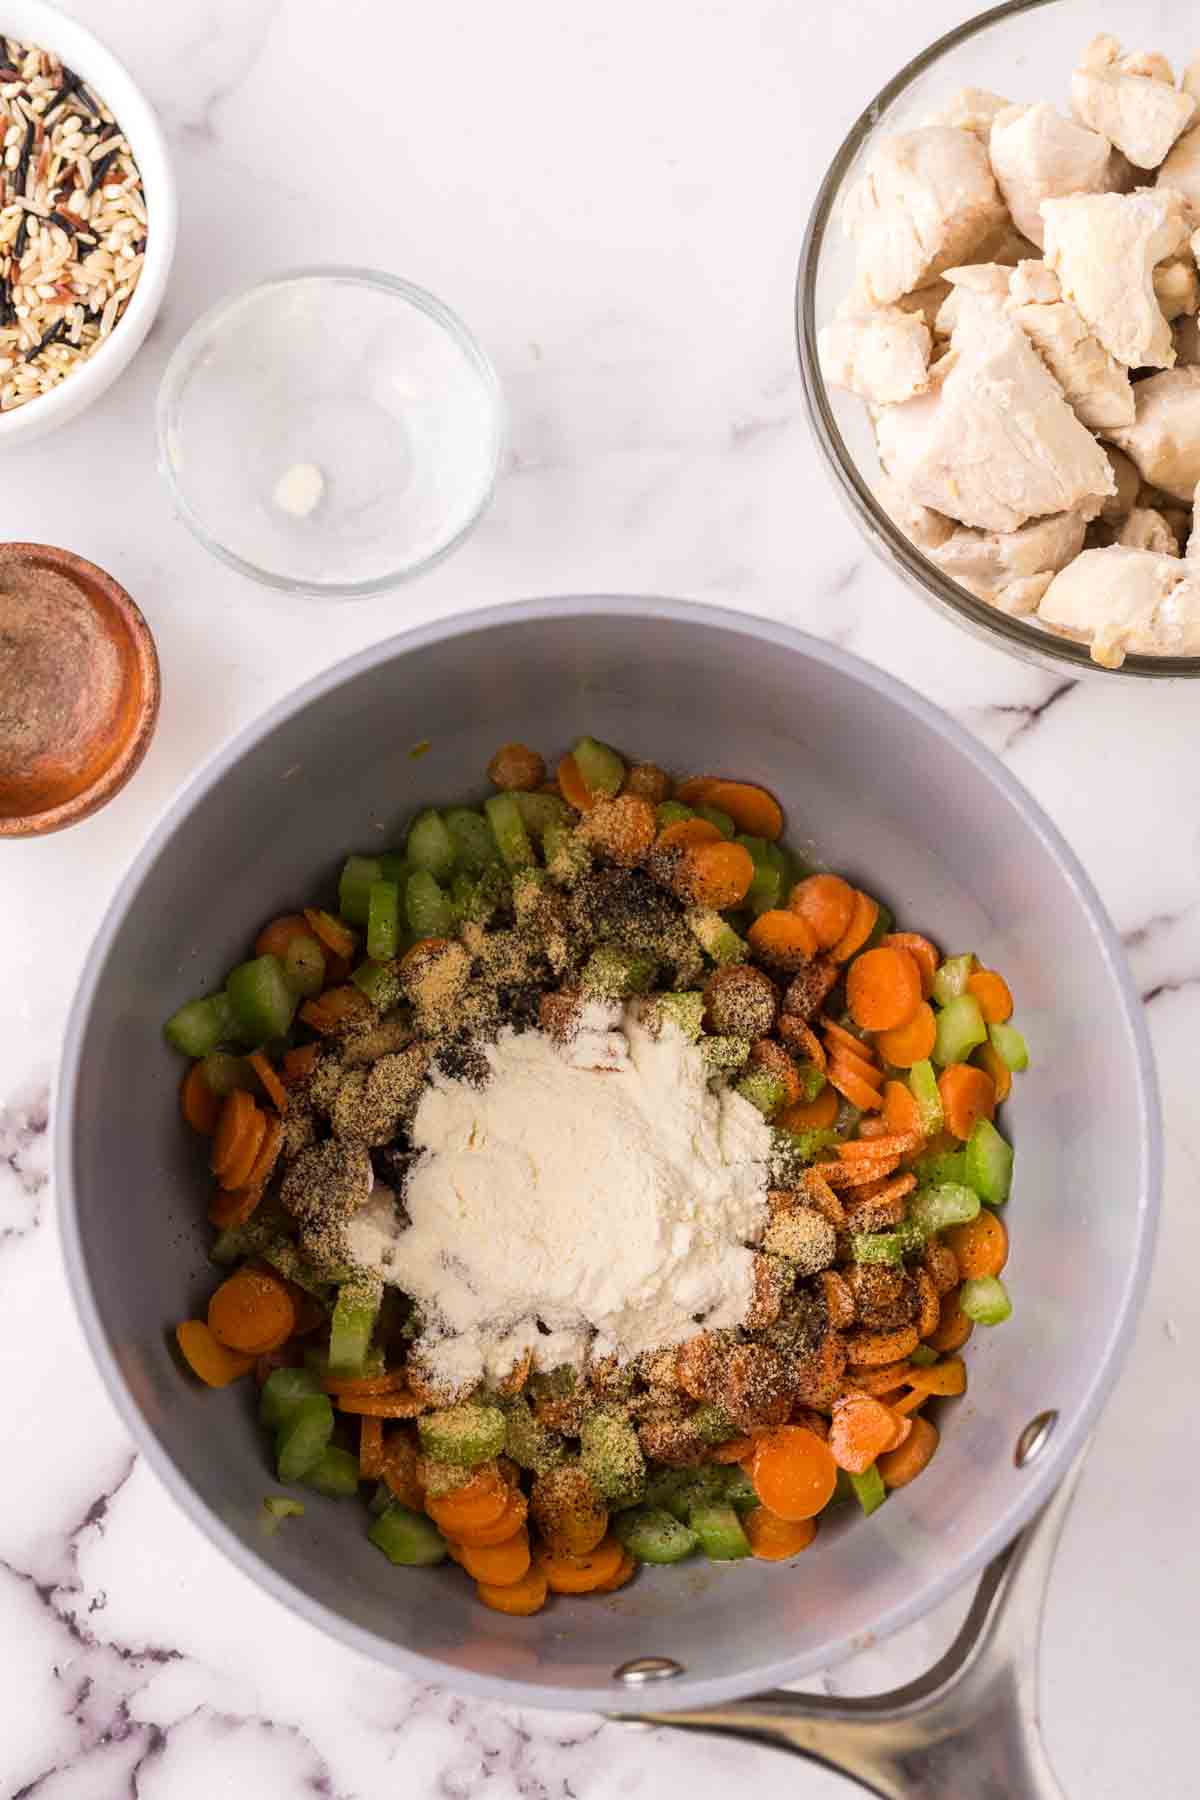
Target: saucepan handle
(970,1726)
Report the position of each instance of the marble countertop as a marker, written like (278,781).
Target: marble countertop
(613,196)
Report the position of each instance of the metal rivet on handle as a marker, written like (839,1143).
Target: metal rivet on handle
(644,1669)
(1034,1438)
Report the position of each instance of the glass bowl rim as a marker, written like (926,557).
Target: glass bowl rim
(1011,634)
(214,317)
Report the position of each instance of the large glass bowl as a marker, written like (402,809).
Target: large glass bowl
(1024,50)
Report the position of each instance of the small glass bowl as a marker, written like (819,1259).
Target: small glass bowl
(331,431)
(1025,50)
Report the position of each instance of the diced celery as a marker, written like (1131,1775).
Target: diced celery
(540,811)
(407,1538)
(944,1166)
(951,979)
(471,836)
(721,820)
(724,1054)
(528,889)
(468,1433)
(281,1394)
(612,1457)
(654,1536)
(508,829)
(276,1508)
(527,1441)
(490,890)
(336,1474)
(887,1246)
(229,1246)
(936,1208)
(985,1300)
(430,913)
(960,1029)
(304,966)
(224,1072)
(923,1356)
(869,1490)
(1010,1046)
(263,1003)
(711,1424)
(672,812)
(720,1533)
(200,1025)
(303,1437)
(567,855)
(811,1079)
(354,887)
(989,1163)
(383,921)
(764,1090)
(429,845)
(738,1490)
(602,769)
(684,1011)
(351,1326)
(395,866)
(611,973)
(716,936)
(380,982)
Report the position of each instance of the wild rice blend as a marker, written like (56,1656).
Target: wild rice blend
(72,222)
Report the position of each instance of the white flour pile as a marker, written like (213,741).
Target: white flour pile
(617,1199)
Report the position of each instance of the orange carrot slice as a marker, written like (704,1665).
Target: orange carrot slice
(330,931)
(718,875)
(968,1095)
(981,1246)
(923,953)
(752,809)
(686,832)
(399,1405)
(899,1467)
(901,1114)
(272,1087)
(861,1429)
(211,1361)
(567,1574)
(500,1565)
(773,1539)
(523,1597)
(201,1107)
(783,939)
(993,994)
(907,1044)
(273,939)
(883,989)
(852,1087)
(993,1064)
(252,1312)
(862,924)
(234,1123)
(811,1115)
(626,1571)
(794,1473)
(954,1327)
(575,790)
(370,1449)
(826,904)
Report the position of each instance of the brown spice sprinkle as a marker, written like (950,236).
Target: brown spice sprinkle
(740,1001)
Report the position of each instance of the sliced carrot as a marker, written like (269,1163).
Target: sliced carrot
(332,933)
(794,1473)
(272,1087)
(902,1465)
(811,1115)
(826,904)
(800,1038)
(401,1470)
(695,791)
(872,1349)
(871,1128)
(901,1113)
(862,924)
(238,1171)
(981,1246)
(865,1070)
(298,1064)
(836,1034)
(401,1405)
(206,1357)
(954,1327)
(567,1574)
(968,1095)
(912,1043)
(686,832)
(334,1007)
(860,1174)
(251,1312)
(993,994)
(370,1449)
(500,1565)
(359,1387)
(262,1168)
(480,1501)
(733,1450)
(783,939)
(852,1087)
(231,1207)
(861,1429)
(233,1127)
(993,1064)
(766,1054)
(870,1151)
(575,790)
(626,1570)
(718,875)
(201,1107)
(523,1597)
(879,1382)
(752,809)
(883,989)
(516,1510)
(773,1539)
(924,954)
(424,950)
(946,1379)
(273,939)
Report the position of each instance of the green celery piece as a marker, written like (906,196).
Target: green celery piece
(491,889)
(228,1247)
(712,1424)
(685,1011)
(350,1329)
(277,1507)
(923,1356)
(654,1536)
(567,855)
(540,811)
(1010,1046)
(738,1490)
(471,836)
(380,982)
(263,1003)
(383,921)
(884,920)
(766,890)
(528,888)
(429,845)
(304,966)
(380,1500)
(527,1441)
(720,1533)
(200,1025)
(611,973)
(812,1080)
(951,979)
(721,820)
(940,1168)
(715,936)
(989,1163)
(722,1055)
(223,1073)
(869,1489)
(985,1300)
(281,1394)
(468,1433)
(335,1474)
(672,812)
(937,1208)
(303,1437)
(960,1029)
(407,1538)
(354,887)
(922,1085)
(763,1090)
(395,866)
(887,1246)
(612,1456)
(430,913)
(793,1150)
(508,829)
(602,769)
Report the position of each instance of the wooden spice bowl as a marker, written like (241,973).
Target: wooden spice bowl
(79,688)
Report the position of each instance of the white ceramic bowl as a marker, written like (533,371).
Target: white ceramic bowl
(34,22)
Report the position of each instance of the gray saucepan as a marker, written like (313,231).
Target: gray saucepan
(877,783)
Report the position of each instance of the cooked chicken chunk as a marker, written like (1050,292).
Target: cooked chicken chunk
(1186,334)
(1033,284)
(993,442)
(1127,480)
(1130,101)
(1012,569)
(1104,248)
(1119,600)
(882,355)
(1193,543)
(1096,385)
(970,109)
(1181,170)
(926,302)
(1038,155)
(1147,529)
(1191,78)
(1176,287)
(984,281)
(1164,439)
(925,202)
